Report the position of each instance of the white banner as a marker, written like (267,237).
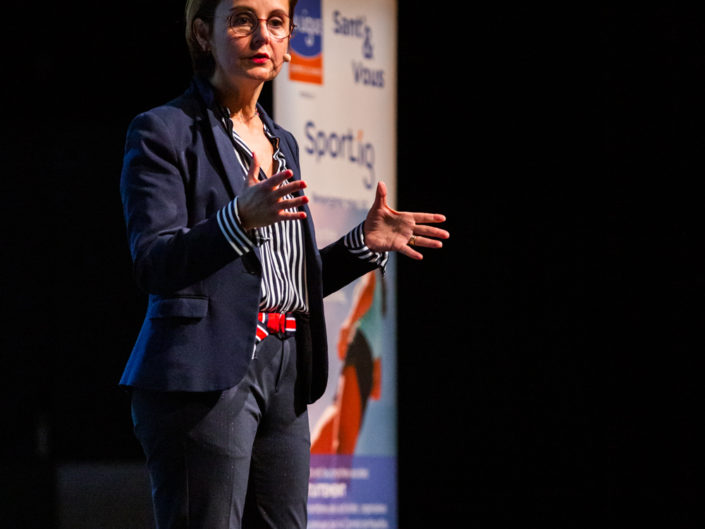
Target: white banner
(338,98)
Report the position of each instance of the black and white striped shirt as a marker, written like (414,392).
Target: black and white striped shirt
(283,286)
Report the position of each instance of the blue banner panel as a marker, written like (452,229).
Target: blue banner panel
(352,492)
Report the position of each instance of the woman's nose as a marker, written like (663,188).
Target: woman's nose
(262,31)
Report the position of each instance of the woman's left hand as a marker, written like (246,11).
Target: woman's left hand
(390,230)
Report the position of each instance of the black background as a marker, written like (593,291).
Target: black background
(550,356)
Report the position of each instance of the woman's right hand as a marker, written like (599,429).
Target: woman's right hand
(262,203)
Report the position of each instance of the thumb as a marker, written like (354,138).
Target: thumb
(380,196)
(253,173)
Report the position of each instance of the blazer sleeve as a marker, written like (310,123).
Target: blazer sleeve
(340,267)
(168,252)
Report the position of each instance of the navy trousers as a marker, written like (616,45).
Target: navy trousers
(233,459)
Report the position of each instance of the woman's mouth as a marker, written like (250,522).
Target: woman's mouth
(259,58)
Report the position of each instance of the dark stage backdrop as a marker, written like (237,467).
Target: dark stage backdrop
(550,357)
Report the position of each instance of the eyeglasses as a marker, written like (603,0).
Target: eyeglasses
(245,23)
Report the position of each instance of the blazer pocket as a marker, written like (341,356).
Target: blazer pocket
(191,307)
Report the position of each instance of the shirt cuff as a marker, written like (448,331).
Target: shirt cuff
(354,241)
(229,222)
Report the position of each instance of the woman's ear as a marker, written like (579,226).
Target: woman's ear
(202,33)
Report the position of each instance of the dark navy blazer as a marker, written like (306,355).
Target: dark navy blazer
(179,170)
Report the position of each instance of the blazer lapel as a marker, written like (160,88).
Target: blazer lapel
(226,153)
(232,172)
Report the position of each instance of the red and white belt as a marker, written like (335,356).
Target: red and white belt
(280,323)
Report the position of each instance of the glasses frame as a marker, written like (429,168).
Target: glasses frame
(292,26)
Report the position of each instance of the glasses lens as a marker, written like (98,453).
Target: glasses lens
(278,26)
(243,23)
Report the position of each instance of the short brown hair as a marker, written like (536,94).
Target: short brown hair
(202,61)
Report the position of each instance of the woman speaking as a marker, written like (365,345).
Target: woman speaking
(233,345)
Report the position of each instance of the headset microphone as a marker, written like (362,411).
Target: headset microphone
(287,57)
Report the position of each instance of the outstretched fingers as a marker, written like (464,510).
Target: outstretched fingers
(292,215)
(292,203)
(270,200)
(279,178)
(423,230)
(423,235)
(410,252)
(428,218)
(280,190)
(425,242)
(387,229)
(289,189)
